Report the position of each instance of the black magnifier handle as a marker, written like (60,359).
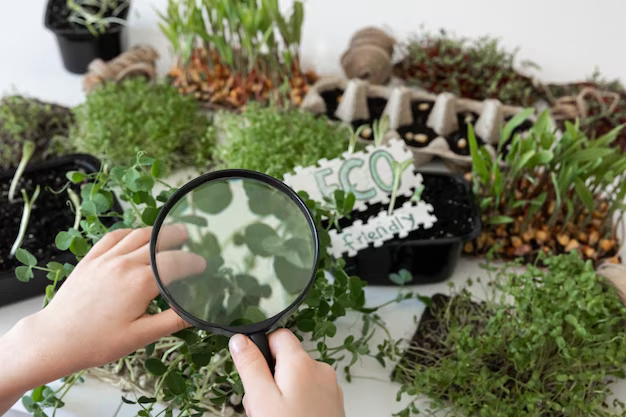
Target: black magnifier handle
(260,339)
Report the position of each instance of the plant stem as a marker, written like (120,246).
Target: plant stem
(77,212)
(28,206)
(27,152)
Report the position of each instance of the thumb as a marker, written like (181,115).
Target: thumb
(253,370)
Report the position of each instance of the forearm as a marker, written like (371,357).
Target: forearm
(24,362)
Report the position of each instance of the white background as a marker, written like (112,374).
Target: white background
(567,38)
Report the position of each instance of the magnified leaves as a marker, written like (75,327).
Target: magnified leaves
(214,198)
(260,237)
(292,278)
(254,314)
(209,248)
(265,201)
(250,285)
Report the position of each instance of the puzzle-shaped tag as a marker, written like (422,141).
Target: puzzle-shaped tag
(381,228)
(367,174)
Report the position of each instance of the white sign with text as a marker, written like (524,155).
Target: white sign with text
(381,228)
(367,174)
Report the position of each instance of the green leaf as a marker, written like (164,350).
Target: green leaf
(37,394)
(75,176)
(214,198)
(195,220)
(146,400)
(256,234)
(130,178)
(144,183)
(292,278)
(127,401)
(145,160)
(149,215)
(88,208)
(28,403)
(26,257)
(165,195)
(150,349)
(478,164)
(339,198)
(155,366)
(583,193)
(159,169)
(324,328)
(338,310)
(188,335)
(515,122)
(24,273)
(176,383)
(305,325)
(348,203)
(500,220)
(254,314)
(63,240)
(201,359)
(403,277)
(79,246)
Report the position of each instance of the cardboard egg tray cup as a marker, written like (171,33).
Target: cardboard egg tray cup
(431,125)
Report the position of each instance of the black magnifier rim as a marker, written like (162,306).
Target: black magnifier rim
(260,327)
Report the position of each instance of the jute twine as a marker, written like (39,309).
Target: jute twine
(573,107)
(369,56)
(138,61)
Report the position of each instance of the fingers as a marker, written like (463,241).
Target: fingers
(253,370)
(177,264)
(170,237)
(150,328)
(133,241)
(283,343)
(107,242)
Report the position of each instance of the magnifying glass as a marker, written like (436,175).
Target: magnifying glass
(256,242)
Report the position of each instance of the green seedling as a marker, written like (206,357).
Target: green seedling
(27,152)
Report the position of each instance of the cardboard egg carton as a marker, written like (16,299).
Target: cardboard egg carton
(430,124)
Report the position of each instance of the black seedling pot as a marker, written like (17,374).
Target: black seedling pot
(430,255)
(79,46)
(50,215)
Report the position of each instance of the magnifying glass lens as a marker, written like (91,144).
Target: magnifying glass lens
(235,251)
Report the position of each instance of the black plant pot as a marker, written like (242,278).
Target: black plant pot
(50,215)
(430,255)
(79,47)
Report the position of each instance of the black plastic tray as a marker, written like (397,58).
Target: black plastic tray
(428,260)
(79,47)
(13,290)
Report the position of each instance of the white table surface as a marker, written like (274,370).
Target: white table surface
(363,397)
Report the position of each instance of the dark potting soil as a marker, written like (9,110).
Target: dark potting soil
(59,14)
(431,330)
(331,98)
(458,140)
(50,215)
(375,106)
(421,110)
(452,206)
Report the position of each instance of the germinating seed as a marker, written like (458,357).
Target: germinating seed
(367,133)
(421,138)
(462,143)
(409,136)
(469,119)
(423,106)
